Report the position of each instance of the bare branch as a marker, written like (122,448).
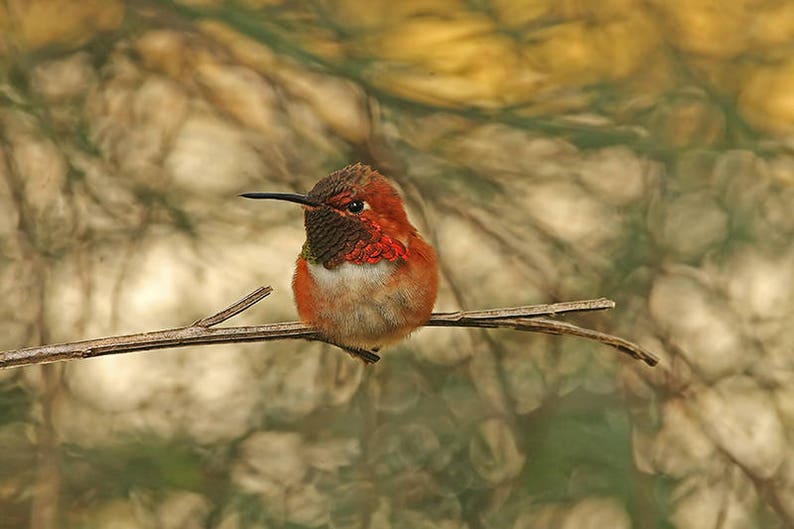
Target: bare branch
(235,308)
(549,326)
(526,311)
(527,318)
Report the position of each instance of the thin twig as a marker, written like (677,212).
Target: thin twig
(235,308)
(526,311)
(201,332)
(549,326)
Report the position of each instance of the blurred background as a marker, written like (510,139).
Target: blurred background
(550,150)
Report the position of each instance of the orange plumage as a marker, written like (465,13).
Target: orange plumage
(365,278)
(369,305)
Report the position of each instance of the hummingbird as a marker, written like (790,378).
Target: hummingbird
(365,278)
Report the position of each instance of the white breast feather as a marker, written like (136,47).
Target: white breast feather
(350,280)
(354,299)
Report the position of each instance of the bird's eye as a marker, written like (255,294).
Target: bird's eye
(355,206)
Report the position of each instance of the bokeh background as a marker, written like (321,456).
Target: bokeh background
(550,149)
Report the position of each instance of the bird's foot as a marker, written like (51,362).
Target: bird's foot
(368,357)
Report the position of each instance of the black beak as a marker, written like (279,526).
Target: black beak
(289,197)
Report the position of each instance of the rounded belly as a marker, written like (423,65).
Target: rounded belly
(361,305)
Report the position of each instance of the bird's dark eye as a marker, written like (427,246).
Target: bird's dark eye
(355,206)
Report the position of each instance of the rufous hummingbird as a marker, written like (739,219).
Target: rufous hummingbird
(365,277)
